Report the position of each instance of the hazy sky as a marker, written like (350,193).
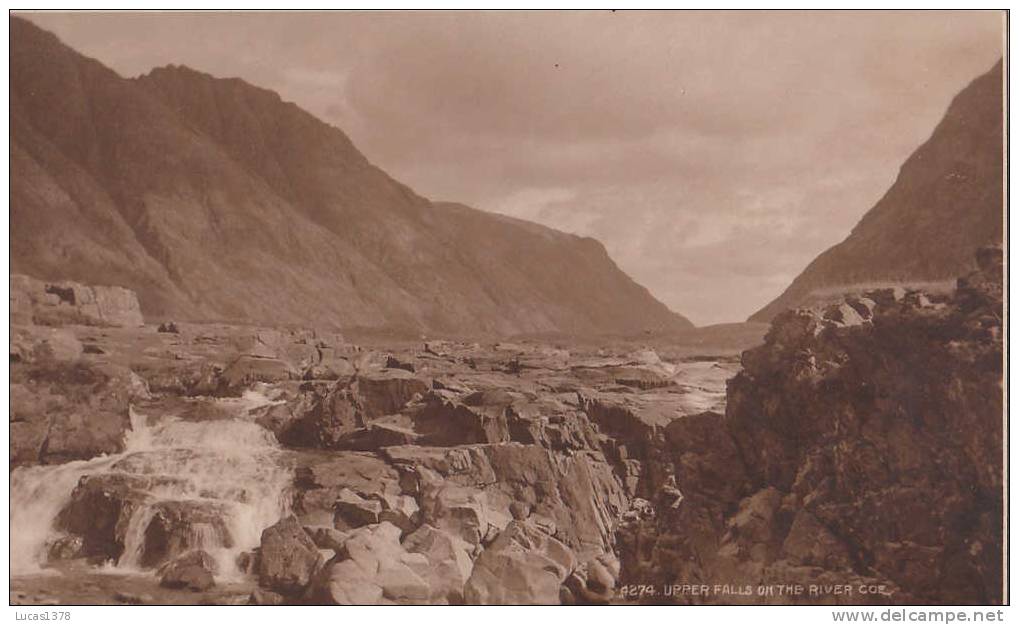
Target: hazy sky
(714,153)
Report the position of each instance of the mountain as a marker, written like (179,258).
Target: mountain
(216,200)
(946,202)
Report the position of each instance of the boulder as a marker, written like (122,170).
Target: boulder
(524,566)
(100,511)
(348,584)
(288,558)
(192,570)
(449,561)
(374,568)
(400,510)
(353,511)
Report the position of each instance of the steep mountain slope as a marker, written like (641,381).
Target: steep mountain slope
(946,202)
(214,199)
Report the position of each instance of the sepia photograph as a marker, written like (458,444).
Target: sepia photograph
(508,308)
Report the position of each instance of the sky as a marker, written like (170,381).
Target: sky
(715,154)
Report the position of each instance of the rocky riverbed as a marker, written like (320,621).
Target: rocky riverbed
(199,459)
(859,449)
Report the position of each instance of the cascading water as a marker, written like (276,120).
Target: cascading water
(228,469)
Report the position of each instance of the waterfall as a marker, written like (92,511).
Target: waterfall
(230,467)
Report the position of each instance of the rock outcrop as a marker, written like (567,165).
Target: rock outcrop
(861,442)
(60,303)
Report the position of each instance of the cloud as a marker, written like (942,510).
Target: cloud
(715,154)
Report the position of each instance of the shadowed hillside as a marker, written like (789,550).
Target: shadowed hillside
(214,199)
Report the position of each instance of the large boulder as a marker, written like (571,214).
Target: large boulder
(354,511)
(100,511)
(374,568)
(449,561)
(524,566)
(288,558)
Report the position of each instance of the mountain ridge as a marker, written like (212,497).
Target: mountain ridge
(216,199)
(945,203)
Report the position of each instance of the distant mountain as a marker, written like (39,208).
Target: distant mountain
(216,200)
(946,202)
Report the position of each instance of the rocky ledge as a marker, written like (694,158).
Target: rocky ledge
(859,460)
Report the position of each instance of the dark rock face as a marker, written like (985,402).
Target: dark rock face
(180,527)
(865,445)
(946,202)
(100,511)
(277,217)
(109,510)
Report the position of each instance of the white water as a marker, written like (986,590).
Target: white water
(229,465)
